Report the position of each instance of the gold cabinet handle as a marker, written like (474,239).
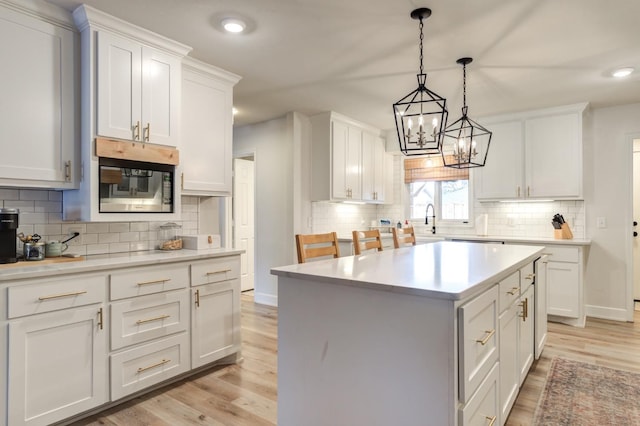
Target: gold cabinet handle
(100,319)
(67,171)
(182,180)
(158,318)
(530,277)
(525,309)
(197,298)
(58,296)
(518,192)
(513,291)
(222,271)
(491,419)
(136,131)
(147,132)
(528,191)
(157,364)
(140,284)
(487,337)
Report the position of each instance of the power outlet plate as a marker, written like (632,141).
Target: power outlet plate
(601,222)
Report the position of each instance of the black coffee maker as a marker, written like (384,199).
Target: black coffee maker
(8,229)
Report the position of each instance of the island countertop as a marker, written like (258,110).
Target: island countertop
(443,270)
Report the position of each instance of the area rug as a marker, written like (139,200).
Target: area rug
(577,394)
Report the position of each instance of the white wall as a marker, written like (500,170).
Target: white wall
(280,204)
(608,180)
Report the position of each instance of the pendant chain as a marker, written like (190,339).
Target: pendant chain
(464,85)
(421,39)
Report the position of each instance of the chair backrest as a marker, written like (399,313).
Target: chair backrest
(317,245)
(366,240)
(403,236)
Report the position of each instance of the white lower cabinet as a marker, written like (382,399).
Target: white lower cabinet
(57,365)
(145,365)
(79,341)
(482,408)
(215,311)
(525,339)
(509,368)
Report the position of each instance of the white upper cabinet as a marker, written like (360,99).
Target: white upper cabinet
(501,177)
(373,168)
(138,91)
(39,98)
(534,155)
(348,160)
(130,89)
(207,127)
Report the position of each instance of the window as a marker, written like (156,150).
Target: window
(429,182)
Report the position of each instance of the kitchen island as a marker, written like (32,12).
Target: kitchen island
(407,336)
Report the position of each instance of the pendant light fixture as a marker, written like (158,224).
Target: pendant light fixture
(421,115)
(466,142)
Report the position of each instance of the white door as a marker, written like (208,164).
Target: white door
(636,218)
(243,219)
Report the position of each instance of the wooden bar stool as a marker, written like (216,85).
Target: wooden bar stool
(366,240)
(317,245)
(403,236)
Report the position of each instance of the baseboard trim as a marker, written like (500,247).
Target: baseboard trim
(603,312)
(265,299)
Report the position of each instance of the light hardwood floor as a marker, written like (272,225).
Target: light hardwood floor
(246,393)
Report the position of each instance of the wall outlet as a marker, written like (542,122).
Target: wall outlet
(77,241)
(601,222)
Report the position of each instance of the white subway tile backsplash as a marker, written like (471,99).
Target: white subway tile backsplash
(28,218)
(129,236)
(119,248)
(119,227)
(139,226)
(97,249)
(9,195)
(97,228)
(34,194)
(108,238)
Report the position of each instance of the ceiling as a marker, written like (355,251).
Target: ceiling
(358,57)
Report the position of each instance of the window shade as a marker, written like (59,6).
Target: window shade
(431,168)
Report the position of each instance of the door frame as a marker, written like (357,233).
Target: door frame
(630,137)
(246,155)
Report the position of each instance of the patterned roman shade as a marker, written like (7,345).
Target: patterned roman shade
(431,168)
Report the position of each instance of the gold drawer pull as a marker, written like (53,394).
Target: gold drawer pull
(158,364)
(154,282)
(144,321)
(491,419)
(218,272)
(513,291)
(58,296)
(530,277)
(486,339)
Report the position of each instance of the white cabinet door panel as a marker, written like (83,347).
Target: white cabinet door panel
(563,288)
(37,106)
(119,87)
(57,366)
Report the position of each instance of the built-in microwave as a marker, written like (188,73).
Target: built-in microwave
(128,186)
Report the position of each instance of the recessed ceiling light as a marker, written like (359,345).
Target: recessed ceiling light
(622,72)
(233,25)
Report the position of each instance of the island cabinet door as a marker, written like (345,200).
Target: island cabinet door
(57,365)
(482,408)
(478,345)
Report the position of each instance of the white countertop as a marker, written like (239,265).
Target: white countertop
(106,262)
(486,238)
(444,270)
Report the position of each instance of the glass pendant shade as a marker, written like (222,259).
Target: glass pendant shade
(421,116)
(466,143)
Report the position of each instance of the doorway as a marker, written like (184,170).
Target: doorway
(244,218)
(636,222)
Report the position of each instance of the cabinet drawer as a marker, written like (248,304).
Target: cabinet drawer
(509,290)
(527,277)
(149,317)
(482,408)
(478,345)
(215,270)
(35,297)
(148,280)
(143,366)
(563,254)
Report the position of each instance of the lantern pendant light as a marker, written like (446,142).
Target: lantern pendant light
(421,115)
(466,143)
